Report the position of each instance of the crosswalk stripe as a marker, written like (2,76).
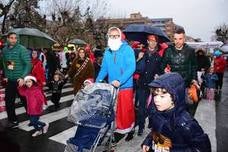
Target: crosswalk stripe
(21,110)
(48,118)
(63,136)
(65,86)
(46,88)
(63,91)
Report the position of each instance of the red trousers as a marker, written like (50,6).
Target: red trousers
(125,113)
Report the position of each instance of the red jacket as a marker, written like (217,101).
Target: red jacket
(219,64)
(38,72)
(34,98)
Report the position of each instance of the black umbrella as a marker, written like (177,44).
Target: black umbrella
(139,32)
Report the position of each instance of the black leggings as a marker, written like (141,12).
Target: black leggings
(55,98)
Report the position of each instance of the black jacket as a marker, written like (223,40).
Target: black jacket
(183,62)
(203,61)
(57,86)
(147,67)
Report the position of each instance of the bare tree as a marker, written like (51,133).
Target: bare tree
(73,19)
(5,8)
(222,33)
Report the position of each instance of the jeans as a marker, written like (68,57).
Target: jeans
(10,96)
(38,125)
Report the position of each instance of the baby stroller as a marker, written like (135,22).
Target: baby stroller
(93,112)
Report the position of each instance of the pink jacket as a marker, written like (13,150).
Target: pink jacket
(34,98)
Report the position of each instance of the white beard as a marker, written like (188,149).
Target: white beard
(114,44)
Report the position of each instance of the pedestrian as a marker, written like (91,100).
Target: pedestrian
(119,64)
(89,52)
(35,100)
(38,70)
(219,68)
(56,86)
(43,58)
(210,78)
(148,67)
(63,61)
(181,58)
(98,54)
(52,64)
(204,64)
(80,70)
(173,128)
(16,65)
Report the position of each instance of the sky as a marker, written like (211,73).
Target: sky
(199,17)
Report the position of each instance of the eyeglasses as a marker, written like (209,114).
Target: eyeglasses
(113,36)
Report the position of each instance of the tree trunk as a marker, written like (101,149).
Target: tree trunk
(3,23)
(6,10)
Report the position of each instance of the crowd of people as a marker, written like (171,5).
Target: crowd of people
(153,82)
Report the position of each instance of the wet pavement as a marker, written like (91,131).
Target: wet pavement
(222,117)
(213,117)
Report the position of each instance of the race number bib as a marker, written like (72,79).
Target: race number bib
(161,143)
(160,148)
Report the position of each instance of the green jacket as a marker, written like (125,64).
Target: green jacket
(183,62)
(19,57)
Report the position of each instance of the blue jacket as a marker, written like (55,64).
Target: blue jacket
(118,65)
(210,80)
(176,125)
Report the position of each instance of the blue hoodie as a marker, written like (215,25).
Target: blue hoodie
(118,65)
(176,124)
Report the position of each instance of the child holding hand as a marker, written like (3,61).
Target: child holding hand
(35,100)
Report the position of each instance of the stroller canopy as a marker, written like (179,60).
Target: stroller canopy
(93,104)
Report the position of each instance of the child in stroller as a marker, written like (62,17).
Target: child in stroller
(93,113)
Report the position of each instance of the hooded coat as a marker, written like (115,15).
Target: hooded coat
(175,127)
(35,99)
(38,72)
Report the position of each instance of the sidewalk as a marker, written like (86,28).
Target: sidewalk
(222,118)
(205,115)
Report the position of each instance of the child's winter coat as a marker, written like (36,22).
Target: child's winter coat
(175,129)
(35,99)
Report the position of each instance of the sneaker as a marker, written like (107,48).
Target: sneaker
(37,133)
(13,124)
(45,128)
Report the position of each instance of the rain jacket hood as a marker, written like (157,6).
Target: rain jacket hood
(174,84)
